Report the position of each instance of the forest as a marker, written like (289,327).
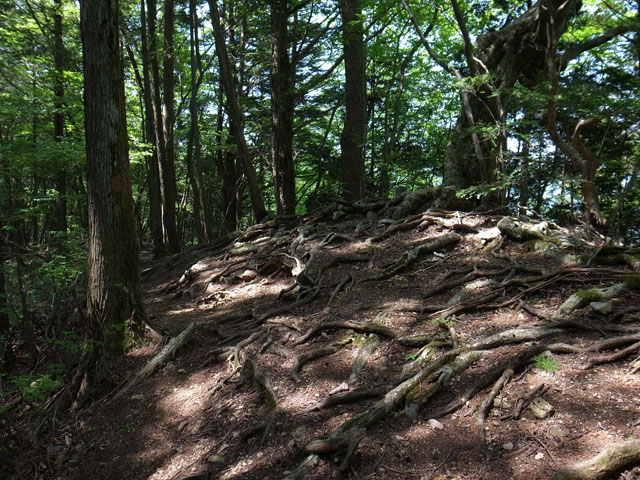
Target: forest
(319,239)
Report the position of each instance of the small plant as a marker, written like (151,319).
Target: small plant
(546,363)
(410,356)
(445,322)
(35,388)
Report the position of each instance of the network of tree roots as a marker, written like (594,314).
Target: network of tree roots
(369,341)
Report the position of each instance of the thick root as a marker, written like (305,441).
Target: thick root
(613,459)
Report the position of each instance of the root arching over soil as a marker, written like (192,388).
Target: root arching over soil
(396,348)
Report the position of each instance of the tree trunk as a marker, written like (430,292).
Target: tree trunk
(236,122)
(282,110)
(508,58)
(167,164)
(194,132)
(60,217)
(355,123)
(115,310)
(153,179)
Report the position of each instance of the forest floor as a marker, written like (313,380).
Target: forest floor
(249,395)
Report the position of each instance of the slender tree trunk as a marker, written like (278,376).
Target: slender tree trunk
(153,180)
(226,166)
(282,110)
(7,358)
(115,310)
(355,122)
(194,133)
(167,163)
(58,116)
(235,116)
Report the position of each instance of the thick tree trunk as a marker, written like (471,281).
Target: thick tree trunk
(282,109)
(115,309)
(355,122)
(236,122)
(514,53)
(153,179)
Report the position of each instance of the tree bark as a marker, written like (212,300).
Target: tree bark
(282,110)
(60,217)
(355,122)
(167,163)
(236,122)
(115,310)
(153,179)
(507,58)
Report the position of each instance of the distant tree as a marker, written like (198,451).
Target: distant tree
(355,121)
(115,310)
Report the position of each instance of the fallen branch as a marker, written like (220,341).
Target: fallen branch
(167,352)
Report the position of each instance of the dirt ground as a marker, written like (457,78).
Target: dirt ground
(205,414)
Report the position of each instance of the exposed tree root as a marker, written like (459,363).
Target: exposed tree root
(167,352)
(262,383)
(345,284)
(583,298)
(303,469)
(314,354)
(369,327)
(412,255)
(364,352)
(613,459)
(614,356)
(353,396)
(486,405)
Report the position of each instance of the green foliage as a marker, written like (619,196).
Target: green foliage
(546,363)
(443,322)
(35,388)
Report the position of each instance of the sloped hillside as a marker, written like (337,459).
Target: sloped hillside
(369,341)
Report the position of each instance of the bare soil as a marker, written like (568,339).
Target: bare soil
(205,416)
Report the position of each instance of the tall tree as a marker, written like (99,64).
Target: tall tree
(153,174)
(114,307)
(58,114)
(355,122)
(282,109)
(236,121)
(167,163)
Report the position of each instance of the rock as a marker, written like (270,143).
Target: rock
(435,424)
(602,307)
(539,456)
(215,459)
(507,446)
(248,275)
(540,408)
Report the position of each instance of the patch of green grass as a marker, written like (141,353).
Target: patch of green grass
(547,363)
